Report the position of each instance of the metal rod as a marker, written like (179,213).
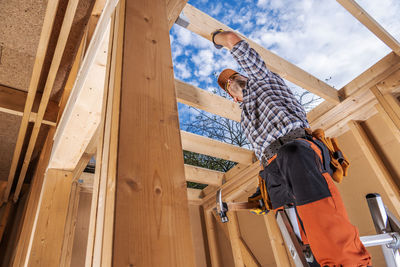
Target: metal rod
(378,240)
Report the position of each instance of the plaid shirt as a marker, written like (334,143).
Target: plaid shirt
(269,108)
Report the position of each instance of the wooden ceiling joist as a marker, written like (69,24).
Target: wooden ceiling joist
(362,16)
(51,77)
(47,27)
(203,175)
(198,98)
(12,101)
(203,25)
(207,146)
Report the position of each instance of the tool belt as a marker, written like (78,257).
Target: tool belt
(338,161)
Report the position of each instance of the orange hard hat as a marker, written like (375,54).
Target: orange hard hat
(224,77)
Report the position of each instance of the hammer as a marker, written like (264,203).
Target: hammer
(223,207)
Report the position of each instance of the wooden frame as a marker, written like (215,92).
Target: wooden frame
(367,94)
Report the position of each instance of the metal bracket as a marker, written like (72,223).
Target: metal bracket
(182,20)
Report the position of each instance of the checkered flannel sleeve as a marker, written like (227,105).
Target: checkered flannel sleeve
(250,61)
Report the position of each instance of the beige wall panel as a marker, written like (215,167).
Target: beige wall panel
(254,233)
(362,180)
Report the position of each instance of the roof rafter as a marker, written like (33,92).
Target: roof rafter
(202,24)
(362,16)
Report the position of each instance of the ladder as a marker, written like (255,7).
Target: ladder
(387,227)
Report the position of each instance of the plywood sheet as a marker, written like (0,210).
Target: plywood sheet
(9,125)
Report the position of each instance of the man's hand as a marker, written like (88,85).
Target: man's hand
(227,39)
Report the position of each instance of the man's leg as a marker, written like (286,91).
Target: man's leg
(332,238)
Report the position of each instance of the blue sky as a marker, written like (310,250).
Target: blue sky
(319,36)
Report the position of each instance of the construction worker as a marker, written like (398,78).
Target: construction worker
(296,167)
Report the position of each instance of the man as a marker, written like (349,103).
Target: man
(296,166)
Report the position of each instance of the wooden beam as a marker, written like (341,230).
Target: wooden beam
(362,16)
(78,129)
(234,185)
(48,238)
(207,146)
(41,51)
(12,101)
(378,166)
(151,210)
(194,196)
(191,95)
(373,75)
(234,237)
(22,249)
(388,112)
(248,257)
(70,226)
(359,98)
(82,112)
(174,8)
(51,77)
(203,175)
(203,25)
(275,237)
(212,238)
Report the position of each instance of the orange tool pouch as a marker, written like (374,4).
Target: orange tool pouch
(339,161)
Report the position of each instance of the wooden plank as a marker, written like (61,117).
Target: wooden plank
(48,238)
(234,237)
(104,149)
(203,175)
(234,186)
(388,112)
(115,86)
(207,146)
(37,69)
(373,75)
(204,25)
(383,175)
(12,101)
(151,212)
(194,196)
(276,239)
(174,8)
(382,70)
(191,95)
(72,140)
(212,238)
(362,114)
(248,257)
(350,105)
(21,253)
(70,226)
(51,77)
(362,16)
(82,109)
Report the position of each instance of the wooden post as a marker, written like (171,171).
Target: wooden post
(383,175)
(234,237)
(48,237)
(70,226)
(212,239)
(151,226)
(277,243)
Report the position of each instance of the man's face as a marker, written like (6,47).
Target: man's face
(235,86)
